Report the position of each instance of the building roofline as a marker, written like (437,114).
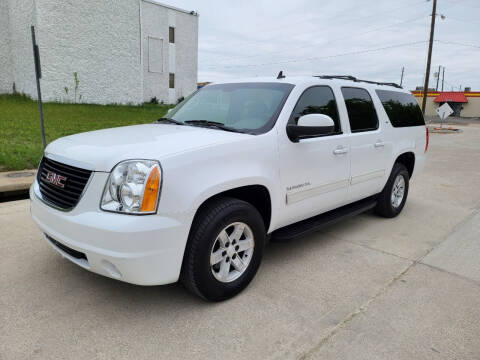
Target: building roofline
(419,93)
(155,2)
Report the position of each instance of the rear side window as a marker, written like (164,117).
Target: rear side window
(360,108)
(317,100)
(402,108)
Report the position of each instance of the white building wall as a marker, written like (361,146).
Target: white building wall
(154,34)
(186,59)
(99,40)
(21,15)
(172,58)
(179,58)
(6,70)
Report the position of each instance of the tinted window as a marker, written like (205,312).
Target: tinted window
(171,81)
(361,112)
(317,100)
(402,108)
(253,107)
(171,35)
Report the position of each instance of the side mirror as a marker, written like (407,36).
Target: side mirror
(169,110)
(310,125)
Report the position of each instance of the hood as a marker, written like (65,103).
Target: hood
(101,150)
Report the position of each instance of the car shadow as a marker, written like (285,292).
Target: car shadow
(121,294)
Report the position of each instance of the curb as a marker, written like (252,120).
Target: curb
(16,183)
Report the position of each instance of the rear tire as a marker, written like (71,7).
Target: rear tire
(394,195)
(224,249)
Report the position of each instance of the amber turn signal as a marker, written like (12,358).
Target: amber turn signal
(150,195)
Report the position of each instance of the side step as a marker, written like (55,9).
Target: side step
(315,223)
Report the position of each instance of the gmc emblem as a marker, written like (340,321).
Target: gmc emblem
(55,179)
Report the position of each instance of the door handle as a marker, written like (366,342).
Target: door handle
(340,150)
(379,143)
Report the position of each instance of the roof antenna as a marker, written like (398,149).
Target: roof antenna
(280,75)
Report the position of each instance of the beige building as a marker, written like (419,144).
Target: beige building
(463,103)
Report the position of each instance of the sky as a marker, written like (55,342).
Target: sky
(368,39)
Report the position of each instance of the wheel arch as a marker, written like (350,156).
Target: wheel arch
(408,160)
(255,194)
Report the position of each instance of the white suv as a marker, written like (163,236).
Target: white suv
(196,195)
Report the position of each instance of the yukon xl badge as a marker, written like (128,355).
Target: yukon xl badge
(55,179)
(298,186)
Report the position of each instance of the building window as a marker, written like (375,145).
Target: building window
(171,81)
(171,35)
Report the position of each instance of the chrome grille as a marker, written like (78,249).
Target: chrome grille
(61,185)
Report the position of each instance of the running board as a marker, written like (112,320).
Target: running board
(315,223)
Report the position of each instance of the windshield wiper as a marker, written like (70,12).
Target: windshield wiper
(213,124)
(169,121)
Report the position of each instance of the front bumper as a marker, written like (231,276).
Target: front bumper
(143,250)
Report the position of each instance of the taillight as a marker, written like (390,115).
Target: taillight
(427,138)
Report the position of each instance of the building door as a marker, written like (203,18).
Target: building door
(456,107)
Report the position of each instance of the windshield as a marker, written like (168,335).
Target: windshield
(248,107)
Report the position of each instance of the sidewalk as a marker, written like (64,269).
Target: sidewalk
(15,182)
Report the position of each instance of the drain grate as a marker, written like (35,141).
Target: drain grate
(21,174)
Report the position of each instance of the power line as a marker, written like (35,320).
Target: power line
(328,42)
(463,21)
(457,43)
(450,84)
(344,13)
(358,52)
(464,4)
(339,24)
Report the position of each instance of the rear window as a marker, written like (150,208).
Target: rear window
(402,108)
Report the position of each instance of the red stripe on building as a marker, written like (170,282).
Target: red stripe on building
(451,97)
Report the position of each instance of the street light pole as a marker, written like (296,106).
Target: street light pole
(429,59)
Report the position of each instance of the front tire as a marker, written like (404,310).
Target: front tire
(394,195)
(224,249)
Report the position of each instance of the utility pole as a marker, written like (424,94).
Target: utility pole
(401,77)
(429,59)
(443,76)
(438,76)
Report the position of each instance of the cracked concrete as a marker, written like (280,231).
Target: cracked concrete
(458,248)
(365,288)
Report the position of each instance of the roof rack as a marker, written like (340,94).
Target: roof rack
(353,78)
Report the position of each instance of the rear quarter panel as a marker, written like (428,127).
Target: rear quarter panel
(401,140)
(408,139)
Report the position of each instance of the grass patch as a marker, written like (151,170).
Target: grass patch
(20,134)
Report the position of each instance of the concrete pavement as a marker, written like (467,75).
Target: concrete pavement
(365,288)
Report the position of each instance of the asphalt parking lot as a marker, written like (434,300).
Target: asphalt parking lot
(365,288)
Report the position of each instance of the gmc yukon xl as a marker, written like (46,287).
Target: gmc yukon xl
(196,195)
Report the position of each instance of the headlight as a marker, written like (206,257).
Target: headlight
(133,187)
